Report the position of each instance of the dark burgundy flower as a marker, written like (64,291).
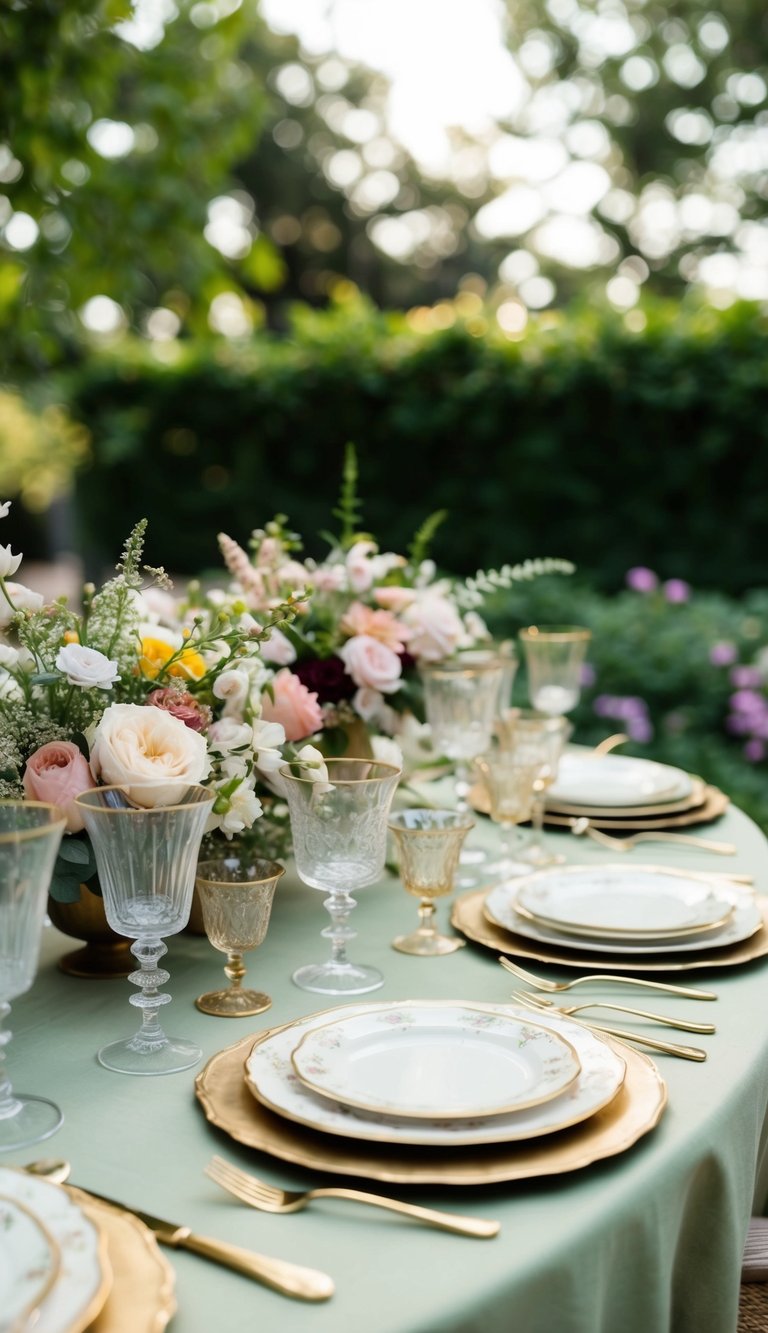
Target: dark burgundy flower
(327,678)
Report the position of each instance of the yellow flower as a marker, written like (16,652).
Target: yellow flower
(71,636)
(155,653)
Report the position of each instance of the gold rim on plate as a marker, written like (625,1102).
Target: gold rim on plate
(468,917)
(606,933)
(142,1296)
(694,801)
(715,804)
(33,1306)
(634,1111)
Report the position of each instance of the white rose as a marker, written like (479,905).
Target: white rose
(86,667)
(9,562)
(360,566)
(371,664)
(227,735)
(278,649)
(134,745)
(24,599)
(233,687)
(436,627)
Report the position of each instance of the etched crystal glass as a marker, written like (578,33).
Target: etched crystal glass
(554,657)
(509,781)
(428,844)
(30,833)
(535,739)
(339,830)
(146,859)
(236,897)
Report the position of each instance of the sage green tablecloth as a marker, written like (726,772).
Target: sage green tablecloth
(646,1242)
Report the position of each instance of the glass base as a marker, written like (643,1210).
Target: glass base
(473,856)
(538,858)
(501,870)
(135,1057)
(35,1120)
(338,978)
(229,1003)
(427,944)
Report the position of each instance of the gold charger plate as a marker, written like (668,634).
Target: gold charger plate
(141,1299)
(635,1110)
(467,916)
(711,804)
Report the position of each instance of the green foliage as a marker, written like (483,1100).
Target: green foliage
(350,507)
(584,439)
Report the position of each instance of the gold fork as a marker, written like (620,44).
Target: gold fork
(270,1199)
(684,1024)
(582,825)
(553,987)
(639,1039)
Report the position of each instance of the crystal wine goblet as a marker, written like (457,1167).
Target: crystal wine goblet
(146,859)
(428,843)
(339,829)
(554,657)
(236,896)
(509,782)
(30,833)
(536,739)
(461,700)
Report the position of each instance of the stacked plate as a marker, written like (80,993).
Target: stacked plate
(441,1091)
(69,1262)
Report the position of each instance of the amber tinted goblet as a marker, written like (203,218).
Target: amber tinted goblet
(236,897)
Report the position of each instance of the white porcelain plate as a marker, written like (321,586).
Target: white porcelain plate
(29,1264)
(435,1062)
(622,902)
(273,1081)
(745,920)
(587,779)
(84,1276)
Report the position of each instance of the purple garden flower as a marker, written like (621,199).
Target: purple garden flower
(754,750)
(722,653)
(745,677)
(640,579)
(677,591)
(587,675)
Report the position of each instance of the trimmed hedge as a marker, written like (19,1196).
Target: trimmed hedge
(582,440)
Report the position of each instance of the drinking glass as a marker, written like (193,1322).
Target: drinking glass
(146,859)
(537,739)
(339,832)
(236,897)
(428,843)
(554,656)
(462,701)
(509,781)
(30,833)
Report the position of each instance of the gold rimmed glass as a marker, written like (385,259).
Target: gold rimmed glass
(339,829)
(428,844)
(146,858)
(30,834)
(536,739)
(509,781)
(236,896)
(554,657)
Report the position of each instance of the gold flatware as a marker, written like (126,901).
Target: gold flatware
(54,1169)
(553,987)
(610,743)
(684,1024)
(653,1043)
(270,1199)
(582,825)
(305,1284)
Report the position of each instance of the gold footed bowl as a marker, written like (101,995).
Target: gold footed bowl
(104,953)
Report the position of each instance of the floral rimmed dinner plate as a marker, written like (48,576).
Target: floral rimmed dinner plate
(272,1080)
(621,902)
(744,920)
(584,778)
(434,1061)
(84,1276)
(29,1265)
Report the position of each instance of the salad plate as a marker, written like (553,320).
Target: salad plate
(272,1080)
(29,1264)
(435,1061)
(585,778)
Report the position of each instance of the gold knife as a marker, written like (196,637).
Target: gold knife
(305,1284)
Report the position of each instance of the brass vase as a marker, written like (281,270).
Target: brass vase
(104,953)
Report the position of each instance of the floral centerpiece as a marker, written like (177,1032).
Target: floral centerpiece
(133,688)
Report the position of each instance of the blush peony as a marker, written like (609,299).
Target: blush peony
(58,773)
(294,707)
(371,664)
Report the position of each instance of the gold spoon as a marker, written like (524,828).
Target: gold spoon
(54,1169)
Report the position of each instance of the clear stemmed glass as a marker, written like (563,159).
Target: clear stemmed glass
(554,656)
(236,897)
(339,832)
(428,843)
(30,833)
(509,781)
(536,739)
(146,859)
(462,700)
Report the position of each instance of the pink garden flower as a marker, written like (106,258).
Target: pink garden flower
(181,704)
(381,625)
(57,773)
(371,664)
(294,707)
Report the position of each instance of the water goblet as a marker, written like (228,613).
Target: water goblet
(554,656)
(146,857)
(428,844)
(339,829)
(509,781)
(462,701)
(30,833)
(535,738)
(236,897)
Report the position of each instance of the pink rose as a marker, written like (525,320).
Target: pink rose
(278,649)
(395,599)
(371,664)
(381,625)
(294,707)
(57,773)
(181,704)
(436,627)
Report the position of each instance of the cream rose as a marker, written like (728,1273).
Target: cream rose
(436,627)
(371,664)
(135,746)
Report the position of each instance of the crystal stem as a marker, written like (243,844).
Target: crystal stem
(234,970)
(339,905)
(148,951)
(537,816)
(461,785)
(9,1105)
(426,917)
